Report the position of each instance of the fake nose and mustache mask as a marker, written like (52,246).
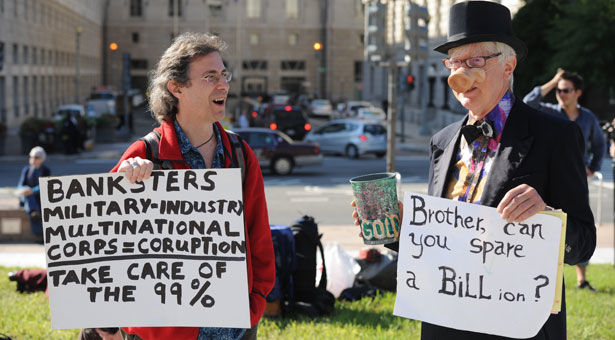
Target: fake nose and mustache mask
(462,79)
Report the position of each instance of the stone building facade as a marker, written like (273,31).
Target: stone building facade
(39,56)
(270,41)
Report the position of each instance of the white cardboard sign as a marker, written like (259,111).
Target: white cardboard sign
(169,251)
(461,266)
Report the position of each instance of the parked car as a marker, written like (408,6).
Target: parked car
(321,107)
(289,119)
(350,137)
(371,113)
(73,110)
(278,152)
(350,109)
(101,102)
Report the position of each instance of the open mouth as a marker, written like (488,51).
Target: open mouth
(219,100)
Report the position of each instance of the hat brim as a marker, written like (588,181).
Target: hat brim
(516,44)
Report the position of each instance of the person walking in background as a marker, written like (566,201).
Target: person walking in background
(568,88)
(29,191)
(244,122)
(188,95)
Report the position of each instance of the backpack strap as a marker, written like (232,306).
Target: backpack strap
(238,152)
(323,277)
(152,142)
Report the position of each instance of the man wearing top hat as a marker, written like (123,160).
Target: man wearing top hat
(505,154)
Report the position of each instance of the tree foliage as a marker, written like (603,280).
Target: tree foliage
(572,34)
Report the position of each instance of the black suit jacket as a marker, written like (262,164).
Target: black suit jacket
(544,152)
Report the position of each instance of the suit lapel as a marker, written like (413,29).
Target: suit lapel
(514,146)
(442,165)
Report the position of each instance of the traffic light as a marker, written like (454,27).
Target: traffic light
(410,82)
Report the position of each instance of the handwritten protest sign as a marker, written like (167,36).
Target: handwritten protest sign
(169,251)
(461,266)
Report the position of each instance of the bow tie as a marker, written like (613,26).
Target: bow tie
(480,127)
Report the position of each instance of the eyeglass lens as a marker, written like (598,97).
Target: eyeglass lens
(215,78)
(564,90)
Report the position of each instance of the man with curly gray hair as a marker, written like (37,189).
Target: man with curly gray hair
(188,92)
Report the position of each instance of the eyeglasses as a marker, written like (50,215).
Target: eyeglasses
(214,78)
(36,157)
(474,62)
(566,90)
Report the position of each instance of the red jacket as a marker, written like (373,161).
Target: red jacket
(260,256)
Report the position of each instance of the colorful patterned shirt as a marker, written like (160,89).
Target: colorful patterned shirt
(192,156)
(474,160)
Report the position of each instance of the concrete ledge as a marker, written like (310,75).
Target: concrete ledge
(15,226)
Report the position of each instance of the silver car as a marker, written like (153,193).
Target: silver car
(350,137)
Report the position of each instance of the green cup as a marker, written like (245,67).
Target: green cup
(377,205)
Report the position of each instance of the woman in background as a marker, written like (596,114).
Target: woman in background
(29,191)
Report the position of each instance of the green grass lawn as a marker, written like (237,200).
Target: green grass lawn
(590,315)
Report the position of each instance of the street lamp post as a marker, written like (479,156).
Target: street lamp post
(317,50)
(78,30)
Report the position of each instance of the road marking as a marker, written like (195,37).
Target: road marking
(94,161)
(309,199)
(281,182)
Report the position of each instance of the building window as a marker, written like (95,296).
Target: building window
(15,95)
(2,99)
(358,71)
(292,9)
(253,8)
(26,55)
(15,54)
(15,8)
(35,95)
(136,9)
(293,39)
(34,58)
(1,56)
(172,5)
(215,9)
(292,65)
(254,39)
(254,65)
(138,64)
(1,6)
(135,37)
(25,95)
(42,56)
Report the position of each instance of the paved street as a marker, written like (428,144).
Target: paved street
(320,191)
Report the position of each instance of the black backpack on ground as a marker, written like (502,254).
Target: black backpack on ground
(310,300)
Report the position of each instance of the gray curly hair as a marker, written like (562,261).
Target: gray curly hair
(174,65)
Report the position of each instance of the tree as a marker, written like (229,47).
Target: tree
(532,24)
(572,34)
(582,38)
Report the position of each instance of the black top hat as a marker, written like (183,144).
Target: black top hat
(478,21)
